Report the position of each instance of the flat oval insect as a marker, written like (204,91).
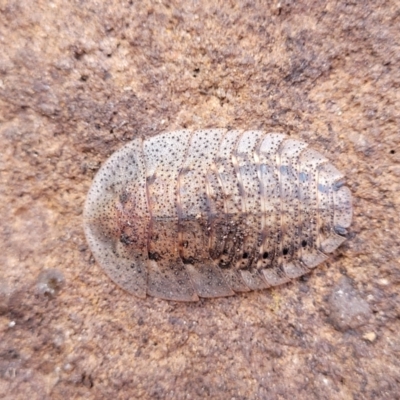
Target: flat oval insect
(207,213)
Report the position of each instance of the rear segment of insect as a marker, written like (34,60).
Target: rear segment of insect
(208,213)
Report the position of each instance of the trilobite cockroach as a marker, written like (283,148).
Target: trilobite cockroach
(208,213)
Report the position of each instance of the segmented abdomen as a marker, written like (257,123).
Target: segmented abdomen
(212,212)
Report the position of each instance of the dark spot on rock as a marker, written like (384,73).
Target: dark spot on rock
(87,380)
(9,354)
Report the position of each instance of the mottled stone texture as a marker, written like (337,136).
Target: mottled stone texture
(80,78)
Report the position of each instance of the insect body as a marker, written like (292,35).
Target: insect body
(208,213)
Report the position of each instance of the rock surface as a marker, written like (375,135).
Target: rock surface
(78,80)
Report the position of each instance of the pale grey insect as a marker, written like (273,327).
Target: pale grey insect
(208,213)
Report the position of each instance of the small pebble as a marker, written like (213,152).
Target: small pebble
(348,310)
(50,282)
(370,336)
